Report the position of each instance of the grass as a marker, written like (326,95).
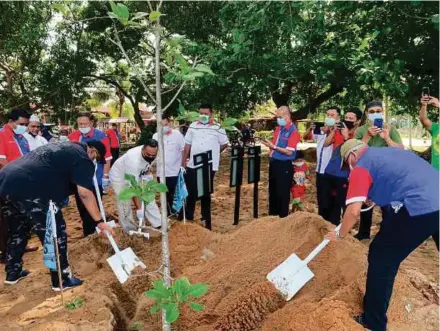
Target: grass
(75,303)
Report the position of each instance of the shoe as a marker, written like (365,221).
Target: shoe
(12,279)
(361,237)
(31,249)
(70,282)
(359,320)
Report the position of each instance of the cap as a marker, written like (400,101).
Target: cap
(350,146)
(34,118)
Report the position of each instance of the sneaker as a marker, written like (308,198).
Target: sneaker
(12,279)
(70,282)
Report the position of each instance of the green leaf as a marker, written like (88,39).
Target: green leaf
(60,7)
(154,309)
(121,11)
(196,306)
(204,68)
(127,194)
(148,197)
(229,121)
(131,179)
(182,286)
(172,311)
(162,188)
(197,290)
(154,15)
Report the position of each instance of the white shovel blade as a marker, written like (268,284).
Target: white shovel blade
(139,233)
(122,269)
(290,276)
(112,224)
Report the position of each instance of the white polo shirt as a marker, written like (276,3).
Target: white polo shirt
(36,141)
(205,137)
(323,154)
(174,143)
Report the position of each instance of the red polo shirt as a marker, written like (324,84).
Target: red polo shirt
(94,134)
(9,148)
(113,137)
(293,140)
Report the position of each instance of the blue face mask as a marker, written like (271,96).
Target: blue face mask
(329,121)
(281,121)
(375,116)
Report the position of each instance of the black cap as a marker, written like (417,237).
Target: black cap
(100,147)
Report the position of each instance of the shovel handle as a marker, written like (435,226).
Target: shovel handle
(319,248)
(52,219)
(98,195)
(113,243)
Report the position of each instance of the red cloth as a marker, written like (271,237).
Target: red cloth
(338,139)
(298,189)
(360,182)
(9,147)
(94,134)
(293,140)
(113,137)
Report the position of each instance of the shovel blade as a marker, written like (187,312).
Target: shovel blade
(290,276)
(124,264)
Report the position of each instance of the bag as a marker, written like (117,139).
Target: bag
(181,193)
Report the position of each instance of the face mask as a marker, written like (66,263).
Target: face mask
(298,164)
(204,119)
(166,129)
(329,121)
(281,121)
(20,129)
(148,159)
(64,138)
(84,130)
(349,124)
(374,116)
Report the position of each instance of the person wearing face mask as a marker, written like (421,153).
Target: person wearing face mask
(282,153)
(388,136)
(408,187)
(174,144)
(136,161)
(115,141)
(48,173)
(300,175)
(85,133)
(64,136)
(33,133)
(202,136)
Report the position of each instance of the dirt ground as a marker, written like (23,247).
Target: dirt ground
(233,261)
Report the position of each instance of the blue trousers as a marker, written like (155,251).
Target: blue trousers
(399,235)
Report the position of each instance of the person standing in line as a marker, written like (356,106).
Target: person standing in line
(85,133)
(282,153)
(373,136)
(33,134)
(433,128)
(137,162)
(174,144)
(115,142)
(408,187)
(202,136)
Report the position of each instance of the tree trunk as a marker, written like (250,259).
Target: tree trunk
(163,197)
(281,98)
(137,114)
(121,98)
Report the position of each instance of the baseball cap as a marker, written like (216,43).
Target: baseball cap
(350,146)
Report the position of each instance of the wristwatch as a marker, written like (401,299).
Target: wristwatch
(338,234)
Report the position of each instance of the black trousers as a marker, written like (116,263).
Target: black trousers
(191,185)
(89,224)
(280,182)
(399,235)
(171,183)
(3,232)
(366,221)
(115,155)
(331,206)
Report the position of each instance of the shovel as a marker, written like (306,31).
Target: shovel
(291,275)
(112,223)
(141,222)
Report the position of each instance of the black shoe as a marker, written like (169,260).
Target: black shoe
(359,320)
(14,279)
(70,282)
(360,237)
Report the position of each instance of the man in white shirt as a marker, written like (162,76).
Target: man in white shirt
(33,136)
(136,161)
(202,136)
(174,143)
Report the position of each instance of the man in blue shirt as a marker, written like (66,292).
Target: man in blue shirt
(408,187)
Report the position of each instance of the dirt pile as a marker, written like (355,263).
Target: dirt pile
(234,265)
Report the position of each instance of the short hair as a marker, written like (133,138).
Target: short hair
(338,110)
(85,114)
(374,103)
(206,106)
(299,155)
(356,111)
(114,125)
(151,143)
(16,113)
(100,147)
(165,117)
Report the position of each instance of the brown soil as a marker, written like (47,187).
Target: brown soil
(234,262)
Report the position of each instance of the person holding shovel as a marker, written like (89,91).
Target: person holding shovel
(408,188)
(27,186)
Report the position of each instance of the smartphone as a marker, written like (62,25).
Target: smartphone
(425,91)
(340,125)
(378,123)
(317,129)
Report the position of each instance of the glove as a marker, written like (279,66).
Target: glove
(105,183)
(140,214)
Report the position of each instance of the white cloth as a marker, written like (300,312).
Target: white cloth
(134,164)
(174,143)
(323,154)
(205,137)
(35,142)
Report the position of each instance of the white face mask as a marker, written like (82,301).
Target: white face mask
(84,130)
(166,129)
(298,164)
(64,138)
(20,129)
